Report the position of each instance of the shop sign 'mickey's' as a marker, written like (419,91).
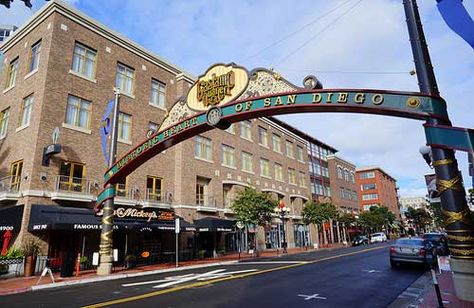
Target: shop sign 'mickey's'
(219,85)
(147,214)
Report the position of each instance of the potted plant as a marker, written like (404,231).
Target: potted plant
(31,249)
(83,261)
(130,261)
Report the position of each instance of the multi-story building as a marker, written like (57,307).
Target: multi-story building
(377,188)
(61,70)
(413,202)
(5,32)
(343,185)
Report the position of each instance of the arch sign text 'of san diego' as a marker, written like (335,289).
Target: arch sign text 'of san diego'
(229,93)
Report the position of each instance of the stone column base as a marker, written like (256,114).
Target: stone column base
(105,266)
(463,278)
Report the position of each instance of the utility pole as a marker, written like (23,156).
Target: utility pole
(459,225)
(105,247)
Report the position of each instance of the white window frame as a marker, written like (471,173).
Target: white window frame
(158,94)
(82,106)
(246,130)
(228,156)
(26,109)
(82,55)
(35,54)
(265,166)
(4,117)
(279,172)
(125,79)
(203,148)
(247,162)
(12,73)
(124,118)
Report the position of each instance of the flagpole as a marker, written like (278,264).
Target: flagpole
(106,236)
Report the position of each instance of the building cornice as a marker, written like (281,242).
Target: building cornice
(370,168)
(75,15)
(337,157)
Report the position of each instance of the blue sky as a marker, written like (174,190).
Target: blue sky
(334,40)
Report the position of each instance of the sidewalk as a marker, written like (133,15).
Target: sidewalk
(25,284)
(422,293)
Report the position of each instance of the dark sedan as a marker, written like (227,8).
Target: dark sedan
(439,241)
(412,250)
(360,240)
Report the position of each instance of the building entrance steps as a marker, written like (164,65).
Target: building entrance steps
(25,284)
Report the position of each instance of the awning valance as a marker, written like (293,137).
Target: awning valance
(11,217)
(50,217)
(214,224)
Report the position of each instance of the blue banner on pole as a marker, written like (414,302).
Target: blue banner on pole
(105,129)
(458,19)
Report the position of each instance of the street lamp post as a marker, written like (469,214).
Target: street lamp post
(459,224)
(282,211)
(105,247)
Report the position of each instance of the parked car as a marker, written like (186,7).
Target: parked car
(378,237)
(412,250)
(440,241)
(360,240)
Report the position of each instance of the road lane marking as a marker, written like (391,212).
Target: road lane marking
(314,296)
(272,262)
(203,283)
(371,271)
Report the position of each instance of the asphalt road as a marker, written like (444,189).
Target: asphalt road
(351,277)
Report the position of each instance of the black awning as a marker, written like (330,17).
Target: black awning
(11,217)
(214,224)
(50,217)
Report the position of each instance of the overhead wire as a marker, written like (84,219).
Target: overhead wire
(317,19)
(317,34)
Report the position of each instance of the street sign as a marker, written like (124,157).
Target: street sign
(176,225)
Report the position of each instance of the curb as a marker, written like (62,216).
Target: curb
(121,276)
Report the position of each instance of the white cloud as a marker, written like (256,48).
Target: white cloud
(372,37)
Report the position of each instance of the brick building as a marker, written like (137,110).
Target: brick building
(60,71)
(377,187)
(343,185)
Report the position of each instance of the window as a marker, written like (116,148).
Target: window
(4,115)
(78,112)
(339,172)
(202,198)
(121,188)
(276,142)
(354,195)
(152,127)
(299,153)
(124,128)
(158,93)
(203,148)
(368,206)
(302,179)
(83,61)
(25,111)
(262,136)
(278,172)
(342,193)
(154,188)
(35,56)
(12,72)
(289,149)
(231,129)
(247,162)
(367,186)
(245,130)
(346,175)
(367,175)
(370,197)
(71,177)
(124,79)
(228,158)
(325,171)
(264,167)
(352,177)
(328,191)
(15,173)
(291,176)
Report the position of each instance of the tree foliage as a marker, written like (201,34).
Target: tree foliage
(419,217)
(317,213)
(376,219)
(347,219)
(253,207)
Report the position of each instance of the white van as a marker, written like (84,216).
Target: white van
(378,237)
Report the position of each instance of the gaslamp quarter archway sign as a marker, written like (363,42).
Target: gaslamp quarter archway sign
(229,93)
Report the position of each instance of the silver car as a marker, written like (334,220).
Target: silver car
(412,250)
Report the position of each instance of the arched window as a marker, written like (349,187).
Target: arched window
(346,175)
(339,172)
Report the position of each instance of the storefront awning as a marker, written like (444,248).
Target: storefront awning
(50,217)
(214,224)
(10,218)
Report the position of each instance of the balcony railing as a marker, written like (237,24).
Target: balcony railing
(10,184)
(158,198)
(72,185)
(206,203)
